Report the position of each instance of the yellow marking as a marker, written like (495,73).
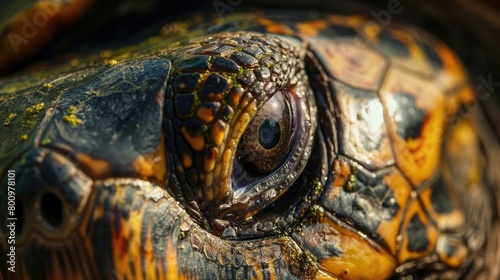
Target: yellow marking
(405,255)
(209,160)
(34,110)
(453,73)
(9,119)
(126,241)
(71,109)
(209,179)
(275,27)
(111,62)
(226,164)
(123,56)
(234,96)
(416,60)
(321,275)
(98,212)
(160,96)
(143,166)
(360,259)
(351,21)
(456,98)
(187,161)
(245,100)
(95,168)
(72,120)
(401,189)
(418,158)
(217,133)
(446,221)
(343,171)
(205,114)
(258,272)
(151,265)
(372,30)
(460,251)
(172,261)
(465,165)
(47,86)
(311,28)
(153,165)
(271,268)
(197,142)
(241,124)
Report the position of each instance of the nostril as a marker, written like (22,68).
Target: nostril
(19,217)
(52,209)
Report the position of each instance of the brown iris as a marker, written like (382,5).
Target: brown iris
(267,140)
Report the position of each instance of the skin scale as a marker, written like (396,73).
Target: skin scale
(148,151)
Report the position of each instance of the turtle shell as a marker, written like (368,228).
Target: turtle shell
(287,145)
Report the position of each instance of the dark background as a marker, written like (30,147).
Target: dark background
(471,28)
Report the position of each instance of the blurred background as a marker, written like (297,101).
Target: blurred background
(471,28)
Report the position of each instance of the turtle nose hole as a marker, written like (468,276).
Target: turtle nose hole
(19,217)
(52,209)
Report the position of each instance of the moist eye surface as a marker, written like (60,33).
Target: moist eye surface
(266,143)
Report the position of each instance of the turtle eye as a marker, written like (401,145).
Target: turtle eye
(270,155)
(267,140)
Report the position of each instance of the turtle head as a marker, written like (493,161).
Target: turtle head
(224,157)
(240,122)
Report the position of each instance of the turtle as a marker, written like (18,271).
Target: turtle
(260,145)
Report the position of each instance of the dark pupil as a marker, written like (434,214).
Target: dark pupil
(269,133)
